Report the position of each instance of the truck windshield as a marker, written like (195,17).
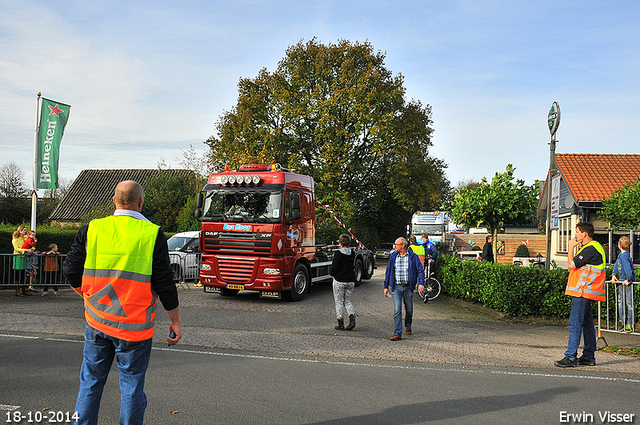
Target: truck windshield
(243,206)
(429,229)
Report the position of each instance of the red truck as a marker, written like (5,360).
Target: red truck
(258,233)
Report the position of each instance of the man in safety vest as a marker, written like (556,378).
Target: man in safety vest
(416,248)
(586,284)
(120,266)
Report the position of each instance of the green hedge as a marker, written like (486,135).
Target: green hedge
(46,235)
(510,289)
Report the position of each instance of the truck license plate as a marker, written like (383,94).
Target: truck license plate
(238,287)
(270,294)
(212,289)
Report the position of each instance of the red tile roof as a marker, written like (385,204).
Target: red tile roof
(593,177)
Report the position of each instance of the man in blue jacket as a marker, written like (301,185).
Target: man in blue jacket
(404,272)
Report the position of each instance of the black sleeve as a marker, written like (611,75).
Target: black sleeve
(589,255)
(162,274)
(335,264)
(73,266)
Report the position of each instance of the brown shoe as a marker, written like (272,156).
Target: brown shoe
(19,293)
(408,331)
(395,338)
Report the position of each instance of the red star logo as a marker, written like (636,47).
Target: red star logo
(55,110)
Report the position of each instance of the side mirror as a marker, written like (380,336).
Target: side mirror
(198,211)
(199,200)
(295,201)
(296,215)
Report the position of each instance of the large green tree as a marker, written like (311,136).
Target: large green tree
(335,112)
(492,205)
(622,207)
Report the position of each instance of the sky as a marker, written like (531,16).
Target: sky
(146,80)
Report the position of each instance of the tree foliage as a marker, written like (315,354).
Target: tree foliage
(165,198)
(335,112)
(492,205)
(622,207)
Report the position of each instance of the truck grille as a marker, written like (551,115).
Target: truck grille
(236,270)
(248,243)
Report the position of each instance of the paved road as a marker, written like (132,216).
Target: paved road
(199,385)
(443,331)
(247,360)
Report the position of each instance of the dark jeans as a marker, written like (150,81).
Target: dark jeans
(581,324)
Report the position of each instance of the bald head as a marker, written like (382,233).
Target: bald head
(128,196)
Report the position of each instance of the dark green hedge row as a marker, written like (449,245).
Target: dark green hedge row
(46,235)
(513,290)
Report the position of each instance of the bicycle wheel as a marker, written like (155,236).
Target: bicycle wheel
(433,288)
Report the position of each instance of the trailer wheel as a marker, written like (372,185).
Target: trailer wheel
(368,268)
(300,285)
(358,269)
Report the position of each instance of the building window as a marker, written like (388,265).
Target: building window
(564,234)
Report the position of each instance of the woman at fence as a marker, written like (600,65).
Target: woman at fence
(19,261)
(624,272)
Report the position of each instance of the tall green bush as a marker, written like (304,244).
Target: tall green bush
(511,289)
(522,251)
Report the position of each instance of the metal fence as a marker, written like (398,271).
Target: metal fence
(35,270)
(186,268)
(618,312)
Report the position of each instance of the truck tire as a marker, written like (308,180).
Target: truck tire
(368,267)
(300,284)
(358,269)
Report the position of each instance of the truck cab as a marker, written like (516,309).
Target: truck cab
(258,233)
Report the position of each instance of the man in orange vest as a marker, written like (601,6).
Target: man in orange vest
(120,266)
(586,284)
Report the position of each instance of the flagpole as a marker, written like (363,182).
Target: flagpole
(34,193)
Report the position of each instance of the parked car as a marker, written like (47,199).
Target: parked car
(384,251)
(184,256)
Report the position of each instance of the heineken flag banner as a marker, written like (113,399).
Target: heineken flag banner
(53,119)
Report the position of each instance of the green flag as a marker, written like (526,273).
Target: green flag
(53,119)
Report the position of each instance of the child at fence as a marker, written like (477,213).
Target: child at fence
(51,269)
(624,272)
(32,257)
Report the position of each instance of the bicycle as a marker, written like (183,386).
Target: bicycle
(432,287)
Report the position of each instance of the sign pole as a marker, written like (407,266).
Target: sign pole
(553,121)
(34,193)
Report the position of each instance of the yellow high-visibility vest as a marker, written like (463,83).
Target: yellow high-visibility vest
(116,282)
(588,281)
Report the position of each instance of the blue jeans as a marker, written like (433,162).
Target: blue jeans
(581,324)
(625,299)
(132,358)
(400,294)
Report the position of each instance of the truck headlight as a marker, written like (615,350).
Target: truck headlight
(269,270)
(205,267)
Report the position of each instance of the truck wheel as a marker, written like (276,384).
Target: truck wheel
(368,268)
(358,269)
(300,285)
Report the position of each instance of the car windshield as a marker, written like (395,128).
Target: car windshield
(386,246)
(243,206)
(176,243)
